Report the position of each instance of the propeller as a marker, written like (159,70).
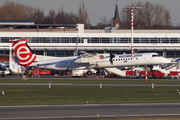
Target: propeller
(111,58)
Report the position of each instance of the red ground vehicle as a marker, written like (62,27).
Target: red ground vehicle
(130,74)
(40,72)
(173,75)
(158,75)
(142,74)
(113,76)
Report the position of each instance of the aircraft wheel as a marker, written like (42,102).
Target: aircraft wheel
(89,73)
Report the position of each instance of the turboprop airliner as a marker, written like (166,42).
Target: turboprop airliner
(85,61)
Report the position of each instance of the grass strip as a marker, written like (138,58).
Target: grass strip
(63,95)
(61,80)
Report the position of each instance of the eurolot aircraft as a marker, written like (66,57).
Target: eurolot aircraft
(85,61)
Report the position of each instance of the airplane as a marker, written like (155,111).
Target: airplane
(167,68)
(85,61)
(13,66)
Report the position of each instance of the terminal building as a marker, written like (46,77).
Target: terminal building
(60,40)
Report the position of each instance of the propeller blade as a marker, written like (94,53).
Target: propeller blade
(111,58)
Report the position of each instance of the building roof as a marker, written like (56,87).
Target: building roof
(17,21)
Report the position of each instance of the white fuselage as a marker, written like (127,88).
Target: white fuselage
(64,63)
(134,60)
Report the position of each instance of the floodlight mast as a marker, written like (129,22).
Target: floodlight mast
(132,25)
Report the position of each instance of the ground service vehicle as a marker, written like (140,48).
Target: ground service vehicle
(79,73)
(157,75)
(173,75)
(40,72)
(143,73)
(130,74)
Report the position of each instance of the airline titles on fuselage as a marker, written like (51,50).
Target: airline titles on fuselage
(130,55)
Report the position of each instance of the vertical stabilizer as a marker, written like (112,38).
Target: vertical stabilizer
(23,52)
(76,54)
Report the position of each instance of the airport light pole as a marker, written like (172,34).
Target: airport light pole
(132,25)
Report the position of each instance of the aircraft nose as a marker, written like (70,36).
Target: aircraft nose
(166,61)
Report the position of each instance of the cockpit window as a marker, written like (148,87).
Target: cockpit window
(156,55)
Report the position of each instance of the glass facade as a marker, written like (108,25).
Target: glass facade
(51,53)
(55,39)
(65,40)
(144,40)
(47,40)
(136,40)
(114,40)
(95,40)
(92,40)
(111,40)
(106,40)
(34,40)
(165,40)
(154,40)
(5,40)
(124,40)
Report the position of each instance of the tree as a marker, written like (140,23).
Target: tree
(149,17)
(83,16)
(38,16)
(11,11)
(51,17)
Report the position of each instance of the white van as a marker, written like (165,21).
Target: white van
(79,73)
(83,73)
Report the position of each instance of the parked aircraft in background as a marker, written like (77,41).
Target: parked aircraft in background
(167,68)
(13,66)
(10,67)
(85,61)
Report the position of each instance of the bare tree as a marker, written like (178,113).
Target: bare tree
(149,17)
(63,17)
(83,16)
(38,16)
(51,17)
(11,11)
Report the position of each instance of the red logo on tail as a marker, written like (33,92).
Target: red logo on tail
(23,53)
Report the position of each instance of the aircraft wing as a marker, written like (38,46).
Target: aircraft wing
(86,55)
(86,58)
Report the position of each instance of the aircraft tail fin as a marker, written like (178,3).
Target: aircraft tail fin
(23,52)
(76,54)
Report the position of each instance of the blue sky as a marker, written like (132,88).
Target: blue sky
(97,9)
